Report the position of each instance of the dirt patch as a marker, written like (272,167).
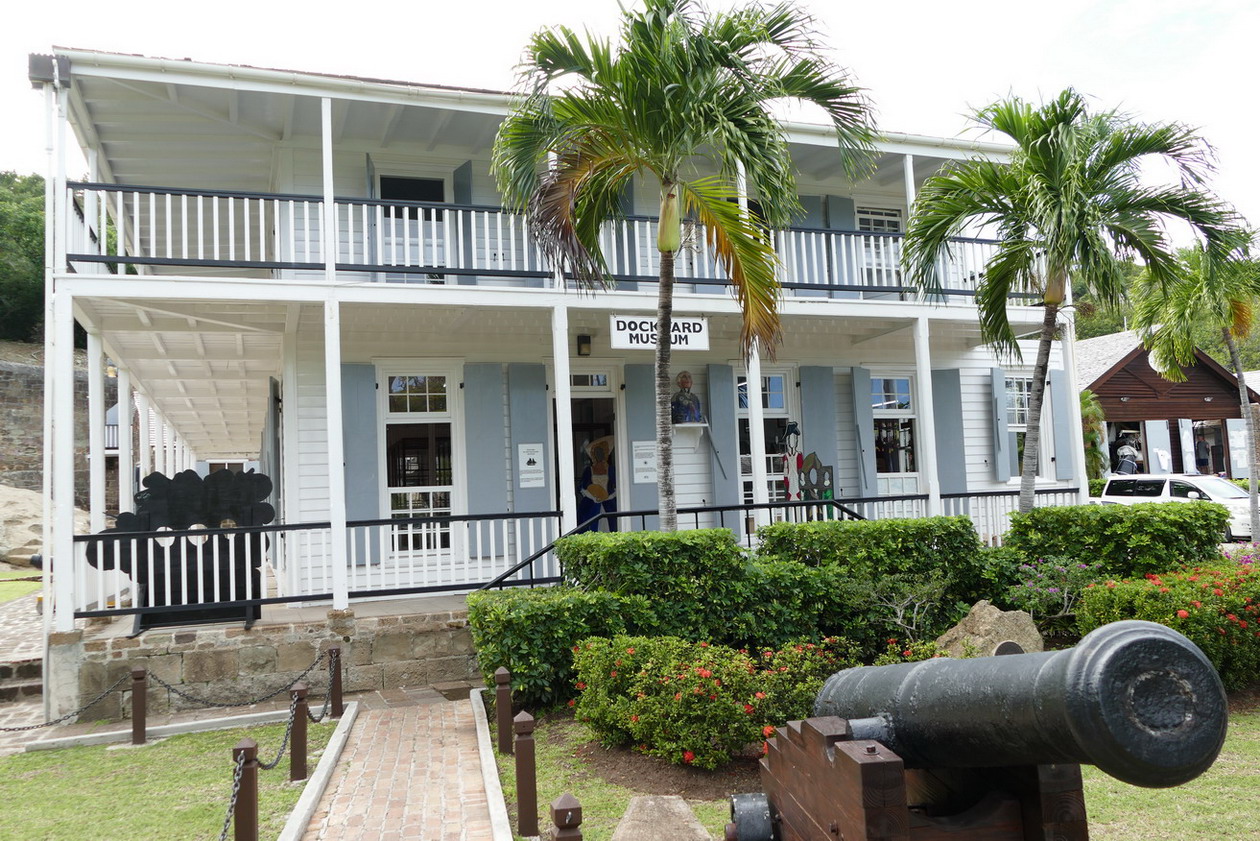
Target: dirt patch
(32,353)
(651,775)
(1245,700)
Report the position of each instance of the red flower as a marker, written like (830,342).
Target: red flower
(768,730)
(1111,584)
(630,650)
(783,668)
(1218,592)
(907,653)
(748,708)
(765,748)
(576,649)
(703,645)
(712,697)
(688,757)
(759,695)
(614,673)
(572,703)
(1182,614)
(677,696)
(634,718)
(581,685)
(1196,604)
(1242,623)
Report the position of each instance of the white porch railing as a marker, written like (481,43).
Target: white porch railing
(991,511)
(262,234)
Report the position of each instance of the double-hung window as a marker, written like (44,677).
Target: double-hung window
(896,441)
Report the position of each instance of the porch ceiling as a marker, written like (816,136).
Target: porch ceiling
(204,365)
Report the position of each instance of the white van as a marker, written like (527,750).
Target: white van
(1183,487)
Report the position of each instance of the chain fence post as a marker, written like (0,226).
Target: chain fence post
(139,704)
(334,680)
(526,776)
(246,817)
(297,749)
(566,816)
(503,708)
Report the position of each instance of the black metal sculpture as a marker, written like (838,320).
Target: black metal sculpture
(988,747)
(222,562)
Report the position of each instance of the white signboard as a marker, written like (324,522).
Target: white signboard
(643,454)
(529,466)
(638,332)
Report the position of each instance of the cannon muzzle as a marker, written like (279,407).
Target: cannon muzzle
(1136,699)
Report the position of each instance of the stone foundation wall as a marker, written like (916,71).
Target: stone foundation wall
(232,664)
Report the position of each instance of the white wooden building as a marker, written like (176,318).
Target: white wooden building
(313,272)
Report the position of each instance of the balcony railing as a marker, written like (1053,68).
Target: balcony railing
(269,234)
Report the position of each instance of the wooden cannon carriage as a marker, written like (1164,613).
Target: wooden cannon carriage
(987,749)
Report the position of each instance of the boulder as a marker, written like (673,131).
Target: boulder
(21,529)
(986,627)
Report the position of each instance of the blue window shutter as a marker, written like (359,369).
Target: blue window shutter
(359,442)
(724,435)
(1239,463)
(1185,429)
(528,413)
(864,422)
(1003,452)
(483,438)
(819,425)
(1064,461)
(1157,440)
(951,451)
(640,401)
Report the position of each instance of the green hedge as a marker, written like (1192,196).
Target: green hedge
(1128,540)
(695,703)
(1216,608)
(532,633)
(1096,486)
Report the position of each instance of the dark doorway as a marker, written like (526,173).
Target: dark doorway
(594,460)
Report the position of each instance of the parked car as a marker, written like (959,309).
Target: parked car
(1182,487)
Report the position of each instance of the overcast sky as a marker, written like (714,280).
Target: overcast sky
(925,63)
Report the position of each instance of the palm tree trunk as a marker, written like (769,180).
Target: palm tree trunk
(667,503)
(1244,404)
(1032,437)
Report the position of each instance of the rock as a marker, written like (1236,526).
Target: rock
(986,627)
(21,529)
(652,817)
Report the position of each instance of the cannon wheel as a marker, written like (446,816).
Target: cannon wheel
(750,819)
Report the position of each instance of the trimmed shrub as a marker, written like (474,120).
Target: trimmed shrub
(695,580)
(695,703)
(532,633)
(1216,608)
(1128,540)
(1096,486)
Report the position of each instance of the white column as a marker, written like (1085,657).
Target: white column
(96,433)
(60,379)
(336,453)
(169,464)
(46,542)
(757,435)
(564,416)
(145,433)
(926,415)
(329,238)
(1076,433)
(907,170)
(126,455)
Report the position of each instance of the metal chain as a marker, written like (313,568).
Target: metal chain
(236,789)
(288,731)
(205,703)
(334,663)
(70,715)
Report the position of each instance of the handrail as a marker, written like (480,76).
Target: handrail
(1037,492)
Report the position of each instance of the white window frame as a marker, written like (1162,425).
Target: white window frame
(614,368)
(791,408)
(1046,444)
(884,482)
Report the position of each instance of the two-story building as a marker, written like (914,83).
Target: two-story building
(314,272)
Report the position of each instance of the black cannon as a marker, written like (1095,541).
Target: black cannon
(988,748)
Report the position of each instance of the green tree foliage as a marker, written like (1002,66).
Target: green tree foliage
(21,256)
(1071,205)
(681,99)
(1092,418)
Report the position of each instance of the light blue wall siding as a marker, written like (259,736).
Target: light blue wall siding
(951,452)
(864,431)
(527,409)
(359,438)
(818,414)
(483,434)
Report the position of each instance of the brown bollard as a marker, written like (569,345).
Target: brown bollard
(139,704)
(297,742)
(503,708)
(246,817)
(334,667)
(566,816)
(526,776)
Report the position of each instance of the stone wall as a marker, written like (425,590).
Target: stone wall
(231,663)
(22,431)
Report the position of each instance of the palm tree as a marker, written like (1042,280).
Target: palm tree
(1222,295)
(681,94)
(1070,204)
(1092,418)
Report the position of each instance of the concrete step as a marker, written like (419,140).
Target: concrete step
(20,690)
(655,817)
(21,679)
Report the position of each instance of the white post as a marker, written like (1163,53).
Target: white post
(1075,433)
(907,170)
(336,453)
(564,416)
(126,455)
(169,464)
(96,432)
(926,414)
(757,436)
(145,415)
(60,378)
(46,543)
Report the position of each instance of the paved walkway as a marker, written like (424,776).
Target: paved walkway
(21,630)
(407,773)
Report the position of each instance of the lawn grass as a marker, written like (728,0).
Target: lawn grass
(1221,804)
(173,790)
(10,589)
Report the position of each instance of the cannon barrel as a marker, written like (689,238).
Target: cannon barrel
(1136,699)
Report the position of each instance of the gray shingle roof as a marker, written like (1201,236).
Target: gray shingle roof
(1094,357)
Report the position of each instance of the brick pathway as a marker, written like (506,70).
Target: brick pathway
(407,773)
(21,630)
